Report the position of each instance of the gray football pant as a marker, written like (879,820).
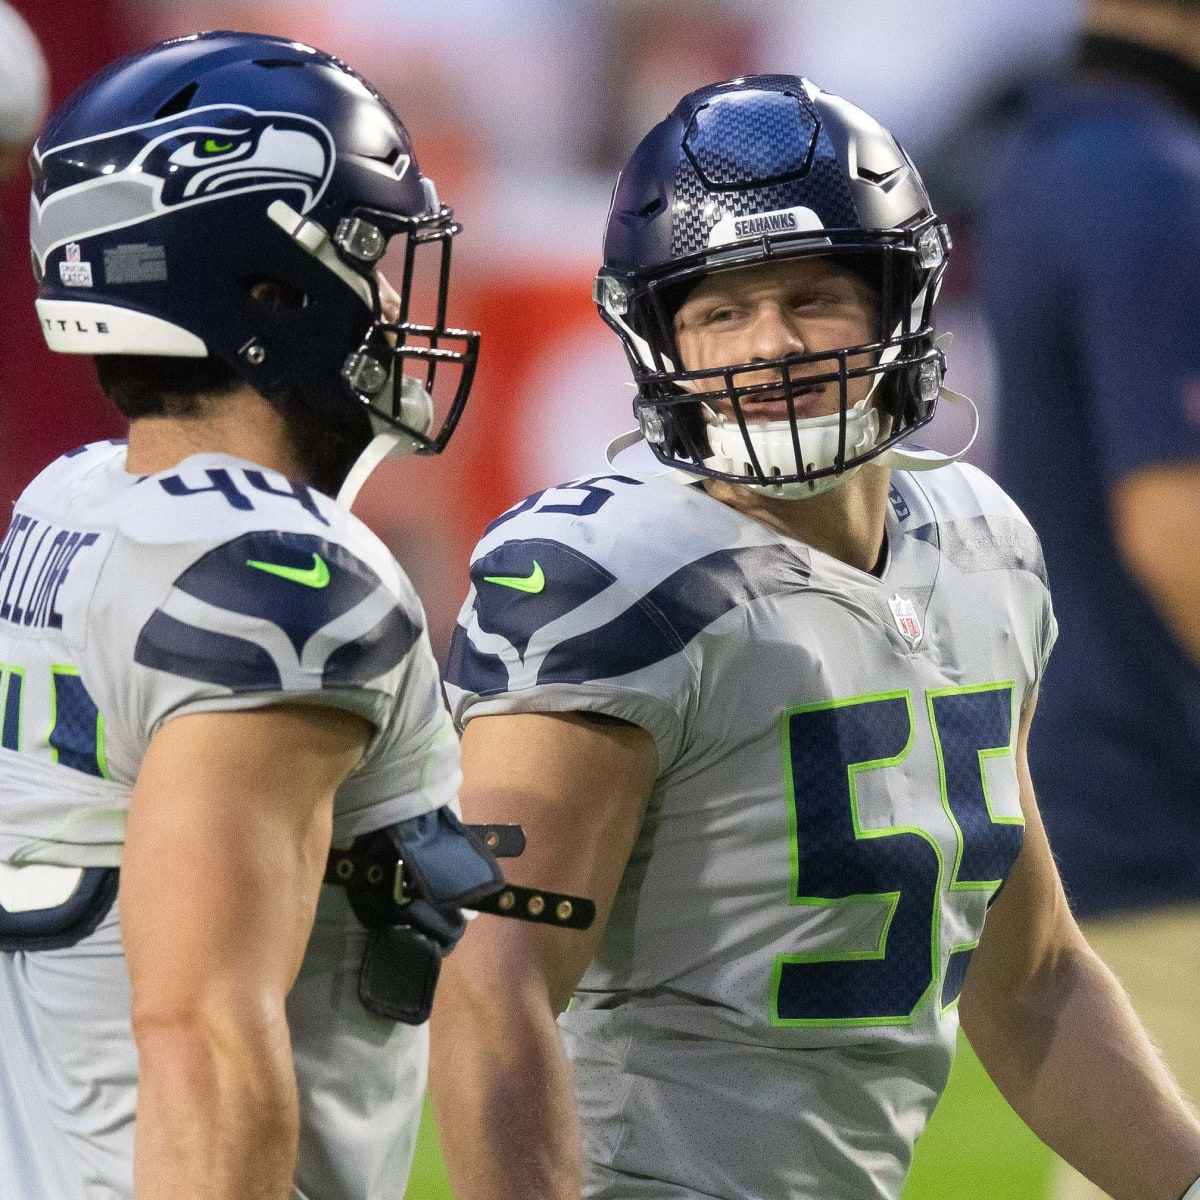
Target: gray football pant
(68,1072)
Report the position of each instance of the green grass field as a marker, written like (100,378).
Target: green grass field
(974,1149)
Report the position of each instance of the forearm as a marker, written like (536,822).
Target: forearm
(1070,1056)
(217,1115)
(504,1096)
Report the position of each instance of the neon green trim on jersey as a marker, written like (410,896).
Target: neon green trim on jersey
(532,583)
(892,899)
(316,576)
(101,757)
(7,671)
(57,669)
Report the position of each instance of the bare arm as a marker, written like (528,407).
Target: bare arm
(1057,1035)
(1156,521)
(501,1084)
(226,844)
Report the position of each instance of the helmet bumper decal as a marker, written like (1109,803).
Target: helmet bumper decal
(192,158)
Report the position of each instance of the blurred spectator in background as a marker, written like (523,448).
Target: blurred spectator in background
(1091,272)
(24,89)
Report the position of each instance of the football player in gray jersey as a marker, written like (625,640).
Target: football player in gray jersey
(770,708)
(210,671)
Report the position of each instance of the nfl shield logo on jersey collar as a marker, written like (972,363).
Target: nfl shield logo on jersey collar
(904,612)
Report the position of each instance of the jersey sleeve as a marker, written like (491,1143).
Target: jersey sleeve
(245,609)
(989,531)
(560,617)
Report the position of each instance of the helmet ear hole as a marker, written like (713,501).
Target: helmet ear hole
(274,295)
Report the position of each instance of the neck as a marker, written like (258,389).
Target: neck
(846,522)
(1166,26)
(240,423)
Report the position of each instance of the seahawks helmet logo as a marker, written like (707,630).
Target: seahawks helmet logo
(120,179)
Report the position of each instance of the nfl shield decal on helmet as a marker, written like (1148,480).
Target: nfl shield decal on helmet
(904,613)
(74,272)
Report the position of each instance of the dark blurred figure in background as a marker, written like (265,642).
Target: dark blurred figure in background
(24,89)
(1091,270)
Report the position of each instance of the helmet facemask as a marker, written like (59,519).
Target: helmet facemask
(394,372)
(793,456)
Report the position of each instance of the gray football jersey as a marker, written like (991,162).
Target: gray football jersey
(126,602)
(772,1012)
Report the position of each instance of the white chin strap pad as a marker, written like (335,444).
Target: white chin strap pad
(416,411)
(772,443)
(907,458)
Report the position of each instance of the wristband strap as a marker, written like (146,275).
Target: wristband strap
(1193,1193)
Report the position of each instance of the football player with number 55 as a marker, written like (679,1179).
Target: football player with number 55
(770,707)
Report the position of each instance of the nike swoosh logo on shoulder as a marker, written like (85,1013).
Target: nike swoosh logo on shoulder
(531,583)
(316,576)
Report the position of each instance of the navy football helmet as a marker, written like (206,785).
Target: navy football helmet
(766,168)
(177,179)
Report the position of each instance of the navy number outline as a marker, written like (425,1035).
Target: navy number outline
(828,745)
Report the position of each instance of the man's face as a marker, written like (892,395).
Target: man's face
(768,311)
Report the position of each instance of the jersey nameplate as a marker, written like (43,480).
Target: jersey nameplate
(35,558)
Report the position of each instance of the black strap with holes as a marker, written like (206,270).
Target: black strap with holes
(386,878)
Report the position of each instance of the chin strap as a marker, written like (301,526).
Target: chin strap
(913,458)
(380,447)
(903,458)
(621,443)
(416,410)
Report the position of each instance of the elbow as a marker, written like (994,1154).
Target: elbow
(1004,1017)
(243,1041)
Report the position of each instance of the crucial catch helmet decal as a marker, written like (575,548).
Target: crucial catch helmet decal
(192,158)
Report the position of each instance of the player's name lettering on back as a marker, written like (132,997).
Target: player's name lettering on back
(35,557)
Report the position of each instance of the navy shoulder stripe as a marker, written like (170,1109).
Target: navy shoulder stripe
(302,585)
(373,654)
(202,654)
(297,581)
(653,628)
(669,616)
(474,670)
